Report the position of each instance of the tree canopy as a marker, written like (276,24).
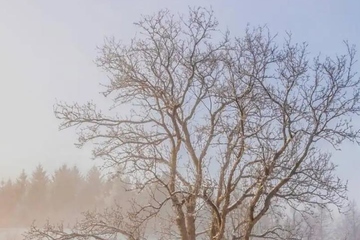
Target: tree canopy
(223,129)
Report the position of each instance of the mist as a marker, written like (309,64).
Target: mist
(62,196)
(48,53)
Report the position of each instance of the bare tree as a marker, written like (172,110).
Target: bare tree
(106,225)
(320,225)
(225,127)
(348,224)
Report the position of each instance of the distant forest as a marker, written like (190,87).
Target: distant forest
(62,196)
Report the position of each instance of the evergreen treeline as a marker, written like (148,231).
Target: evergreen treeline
(60,196)
(64,195)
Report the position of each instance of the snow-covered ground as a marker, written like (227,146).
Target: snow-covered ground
(11,233)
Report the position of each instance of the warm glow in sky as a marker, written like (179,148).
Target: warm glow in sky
(47,50)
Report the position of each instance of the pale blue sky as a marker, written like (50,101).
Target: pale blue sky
(47,50)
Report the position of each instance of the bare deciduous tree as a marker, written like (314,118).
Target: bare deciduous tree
(106,225)
(225,128)
(348,224)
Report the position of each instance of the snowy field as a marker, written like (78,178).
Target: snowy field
(14,233)
(11,233)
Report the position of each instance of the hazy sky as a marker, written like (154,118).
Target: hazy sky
(47,50)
